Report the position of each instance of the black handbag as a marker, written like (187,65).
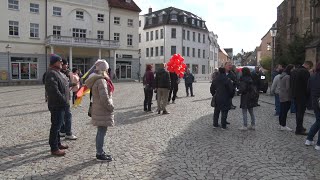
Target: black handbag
(213,101)
(90,105)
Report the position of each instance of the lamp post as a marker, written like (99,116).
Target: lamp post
(273,33)
(8,47)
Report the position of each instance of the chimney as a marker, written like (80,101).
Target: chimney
(150,10)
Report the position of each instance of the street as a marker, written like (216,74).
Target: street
(180,145)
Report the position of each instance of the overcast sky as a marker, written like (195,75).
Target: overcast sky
(239,24)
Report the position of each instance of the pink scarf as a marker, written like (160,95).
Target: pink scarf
(110,85)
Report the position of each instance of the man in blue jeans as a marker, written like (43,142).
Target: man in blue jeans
(57,88)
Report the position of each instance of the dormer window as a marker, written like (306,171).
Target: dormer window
(198,23)
(160,18)
(193,21)
(203,24)
(185,19)
(150,21)
(174,17)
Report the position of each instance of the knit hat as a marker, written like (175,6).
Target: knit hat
(54,58)
(101,65)
(64,62)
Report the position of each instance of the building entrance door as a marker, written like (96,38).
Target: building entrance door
(123,71)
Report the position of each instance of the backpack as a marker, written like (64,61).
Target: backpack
(253,94)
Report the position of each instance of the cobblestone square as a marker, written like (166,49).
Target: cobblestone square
(181,145)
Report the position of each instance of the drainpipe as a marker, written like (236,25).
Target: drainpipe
(109,58)
(46,33)
(164,43)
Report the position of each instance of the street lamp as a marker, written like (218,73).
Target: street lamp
(8,47)
(273,33)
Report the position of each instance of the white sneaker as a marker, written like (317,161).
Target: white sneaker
(243,128)
(317,148)
(309,143)
(285,128)
(71,137)
(252,127)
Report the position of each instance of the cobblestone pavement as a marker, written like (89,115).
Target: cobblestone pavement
(181,145)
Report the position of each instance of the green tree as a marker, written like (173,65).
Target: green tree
(266,62)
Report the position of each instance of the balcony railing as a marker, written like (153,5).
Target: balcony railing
(82,42)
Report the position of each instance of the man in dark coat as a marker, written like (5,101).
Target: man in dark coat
(57,88)
(232,76)
(162,85)
(174,86)
(189,79)
(256,77)
(298,85)
(223,90)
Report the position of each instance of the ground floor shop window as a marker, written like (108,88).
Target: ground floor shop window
(83,64)
(124,70)
(24,68)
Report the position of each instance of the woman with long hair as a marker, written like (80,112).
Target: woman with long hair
(148,84)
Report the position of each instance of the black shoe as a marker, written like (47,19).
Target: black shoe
(159,112)
(303,133)
(165,112)
(215,126)
(258,104)
(104,157)
(192,95)
(227,122)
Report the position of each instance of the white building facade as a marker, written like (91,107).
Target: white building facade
(80,31)
(214,52)
(173,31)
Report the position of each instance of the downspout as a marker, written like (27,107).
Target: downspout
(46,34)
(109,58)
(164,43)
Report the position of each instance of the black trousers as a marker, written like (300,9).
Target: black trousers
(284,108)
(224,116)
(148,93)
(301,105)
(189,85)
(174,89)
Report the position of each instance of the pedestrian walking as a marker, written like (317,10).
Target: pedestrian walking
(223,90)
(298,85)
(102,114)
(75,79)
(162,87)
(256,77)
(148,86)
(188,80)
(248,99)
(285,97)
(314,89)
(232,76)
(57,88)
(175,80)
(275,89)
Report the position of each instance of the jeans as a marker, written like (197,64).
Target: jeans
(245,117)
(66,124)
(148,93)
(189,85)
(315,127)
(162,98)
(101,133)
(277,103)
(173,90)
(57,116)
(293,107)
(301,109)
(284,108)
(224,115)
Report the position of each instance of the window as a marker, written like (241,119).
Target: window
(157,51)
(140,23)
(34,8)
(116,20)
(139,38)
(184,34)
(161,33)
(161,50)
(79,33)
(199,53)
(147,52)
(129,39)
(147,36)
(183,51)
(204,54)
(198,23)
(150,21)
(100,34)
(188,35)
(193,52)
(185,20)
(195,68)
(13,28)
(173,33)
(116,36)
(202,24)
(173,50)
(56,11)
(203,69)
(157,34)
(34,30)
(204,38)
(151,52)
(151,36)
(56,31)
(174,17)
(79,15)
(100,17)
(13,4)
(193,36)
(160,18)
(130,22)
(199,37)
(24,68)
(192,21)
(188,51)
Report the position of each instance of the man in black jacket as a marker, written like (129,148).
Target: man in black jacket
(232,76)
(256,77)
(298,86)
(57,88)
(174,86)
(162,86)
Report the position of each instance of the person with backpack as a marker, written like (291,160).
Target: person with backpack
(285,97)
(148,83)
(249,98)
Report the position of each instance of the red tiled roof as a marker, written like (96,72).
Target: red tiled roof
(122,4)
